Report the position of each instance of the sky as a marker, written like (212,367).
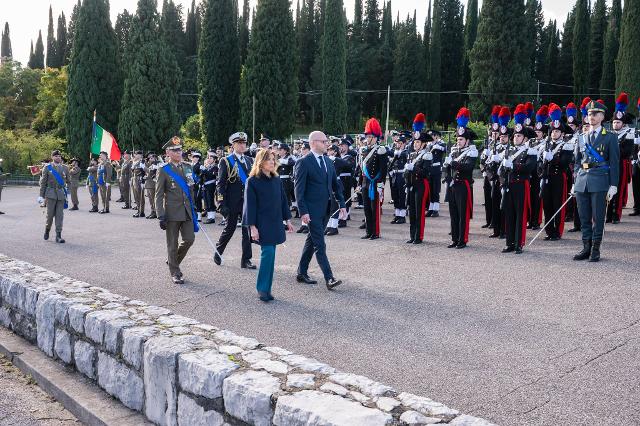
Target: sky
(26,17)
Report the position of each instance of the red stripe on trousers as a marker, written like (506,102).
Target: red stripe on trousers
(525,212)
(468,212)
(564,198)
(623,193)
(540,212)
(423,205)
(376,200)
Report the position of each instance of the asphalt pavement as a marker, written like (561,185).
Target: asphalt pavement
(518,339)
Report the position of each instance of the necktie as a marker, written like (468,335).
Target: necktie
(322,165)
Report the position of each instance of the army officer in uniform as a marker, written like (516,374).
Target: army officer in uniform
(53,187)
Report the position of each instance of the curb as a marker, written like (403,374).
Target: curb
(85,400)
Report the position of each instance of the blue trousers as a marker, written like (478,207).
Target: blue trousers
(265,273)
(592,208)
(315,243)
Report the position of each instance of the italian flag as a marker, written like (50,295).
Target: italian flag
(104,141)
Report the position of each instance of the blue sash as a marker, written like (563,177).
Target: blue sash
(372,181)
(58,178)
(595,154)
(241,172)
(185,188)
(195,177)
(94,185)
(101,176)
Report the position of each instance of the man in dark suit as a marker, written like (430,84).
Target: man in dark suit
(597,158)
(233,173)
(315,183)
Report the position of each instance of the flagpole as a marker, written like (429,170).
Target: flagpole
(386,130)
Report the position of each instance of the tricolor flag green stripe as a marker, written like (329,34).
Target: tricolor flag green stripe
(104,141)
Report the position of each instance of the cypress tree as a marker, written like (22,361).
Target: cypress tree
(243,31)
(565,60)
(5,46)
(451,57)
(95,82)
(409,72)
(71,32)
(61,40)
(307,50)
(384,59)
(171,30)
(32,57)
(38,53)
(219,72)
(470,34)
(611,45)
(628,61)
(493,48)
(581,54)
(596,40)
(272,68)
(315,82)
(149,102)
(52,55)
(334,77)
(191,45)
(123,32)
(435,61)
(356,76)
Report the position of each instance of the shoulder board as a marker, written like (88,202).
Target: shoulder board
(568,146)
(473,152)
(532,151)
(382,150)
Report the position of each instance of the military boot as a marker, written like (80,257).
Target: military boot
(59,238)
(595,251)
(585,252)
(46,233)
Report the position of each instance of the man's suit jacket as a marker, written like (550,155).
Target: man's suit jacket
(598,179)
(314,187)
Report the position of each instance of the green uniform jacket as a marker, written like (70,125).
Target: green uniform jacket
(172,204)
(74,177)
(49,187)
(601,178)
(125,171)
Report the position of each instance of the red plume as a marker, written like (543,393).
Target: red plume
(585,102)
(372,127)
(623,98)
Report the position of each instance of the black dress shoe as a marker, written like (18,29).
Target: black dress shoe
(608,220)
(502,237)
(518,250)
(300,230)
(152,216)
(508,249)
(409,241)
(486,225)
(365,237)
(46,234)
(417,242)
(574,230)
(102,212)
(554,238)
(363,226)
(59,238)
(264,296)
(429,213)
(72,208)
(395,220)
(177,279)
(305,279)
(125,207)
(331,231)
(635,213)
(452,245)
(342,223)
(401,220)
(535,227)
(247,265)
(333,283)
(461,245)
(547,238)
(615,221)
(270,296)
(435,214)
(217,259)
(374,237)
(93,210)
(528,226)
(494,235)
(120,200)
(3,212)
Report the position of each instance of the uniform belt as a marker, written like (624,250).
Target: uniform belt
(435,164)
(209,182)
(587,166)
(285,177)
(345,174)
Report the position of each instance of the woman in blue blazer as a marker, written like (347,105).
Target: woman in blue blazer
(265,210)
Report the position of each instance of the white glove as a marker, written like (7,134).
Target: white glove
(283,161)
(613,190)
(507,164)
(409,167)
(495,158)
(397,152)
(548,155)
(573,190)
(447,160)
(40,200)
(636,141)
(486,152)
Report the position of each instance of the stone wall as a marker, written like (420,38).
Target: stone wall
(178,371)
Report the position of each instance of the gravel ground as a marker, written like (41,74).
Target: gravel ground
(529,339)
(23,403)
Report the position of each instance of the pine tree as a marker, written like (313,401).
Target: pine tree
(122,29)
(565,60)
(243,31)
(334,77)
(52,55)
(451,58)
(38,53)
(596,40)
(628,61)
(149,114)
(71,32)
(611,45)
(470,34)
(272,68)
(488,74)
(95,81)
(435,63)
(409,72)
(61,40)
(219,72)
(5,47)
(581,54)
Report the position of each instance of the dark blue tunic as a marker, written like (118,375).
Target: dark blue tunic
(266,207)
